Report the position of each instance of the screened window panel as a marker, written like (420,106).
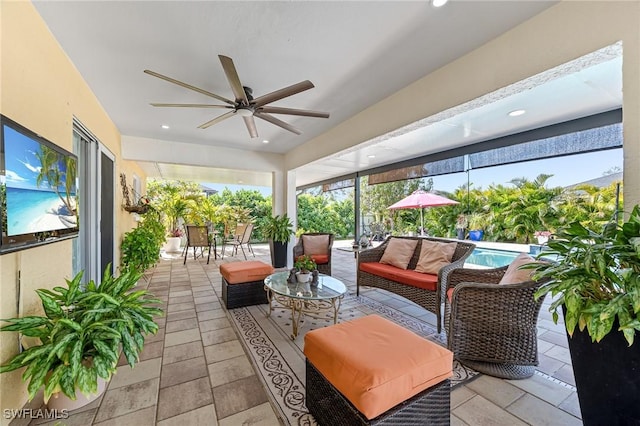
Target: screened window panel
(433,168)
(348,183)
(599,138)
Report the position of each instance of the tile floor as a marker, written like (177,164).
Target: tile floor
(195,371)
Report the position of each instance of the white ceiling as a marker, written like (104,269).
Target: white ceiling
(356,54)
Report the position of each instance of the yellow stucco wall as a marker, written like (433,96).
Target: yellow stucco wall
(560,34)
(42,90)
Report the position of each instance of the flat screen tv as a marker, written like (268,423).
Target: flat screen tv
(38,182)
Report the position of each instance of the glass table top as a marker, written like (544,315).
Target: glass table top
(327,287)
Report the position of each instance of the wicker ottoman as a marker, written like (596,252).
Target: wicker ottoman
(243,283)
(371,371)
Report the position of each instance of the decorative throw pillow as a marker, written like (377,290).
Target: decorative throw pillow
(398,252)
(315,244)
(434,255)
(516,275)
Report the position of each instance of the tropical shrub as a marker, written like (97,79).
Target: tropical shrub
(82,332)
(140,248)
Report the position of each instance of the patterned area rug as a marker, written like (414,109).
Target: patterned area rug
(280,361)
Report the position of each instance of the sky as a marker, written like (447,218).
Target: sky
(566,171)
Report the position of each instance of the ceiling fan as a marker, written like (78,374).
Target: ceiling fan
(244,104)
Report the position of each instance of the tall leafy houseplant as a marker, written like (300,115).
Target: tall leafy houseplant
(278,229)
(82,332)
(140,247)
(596,281)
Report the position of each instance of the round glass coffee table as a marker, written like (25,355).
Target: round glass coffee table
(308,299)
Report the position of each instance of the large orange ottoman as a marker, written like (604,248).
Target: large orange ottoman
(373,371)
(243,283)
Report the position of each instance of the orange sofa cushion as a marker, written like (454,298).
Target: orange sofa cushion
(244,272)
(320,259)
(450,293)
(375,363)
(404,276)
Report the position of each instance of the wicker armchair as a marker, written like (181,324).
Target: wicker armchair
(430,300)
(491,327)
(324,267)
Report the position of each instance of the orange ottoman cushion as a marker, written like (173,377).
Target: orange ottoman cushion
(244,272)
(375,363)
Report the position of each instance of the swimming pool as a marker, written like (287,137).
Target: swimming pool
(491,258)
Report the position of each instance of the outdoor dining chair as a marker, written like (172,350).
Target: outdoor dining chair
(244,240)
(197,237)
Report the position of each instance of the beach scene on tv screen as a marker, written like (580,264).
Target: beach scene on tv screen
(40,186)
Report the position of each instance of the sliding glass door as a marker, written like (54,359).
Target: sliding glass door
(94,248)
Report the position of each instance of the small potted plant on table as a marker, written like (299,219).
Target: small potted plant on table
(305,266)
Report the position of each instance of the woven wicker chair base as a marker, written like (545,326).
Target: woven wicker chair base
(501,370)
(330,408)
(243,294)
(324,268)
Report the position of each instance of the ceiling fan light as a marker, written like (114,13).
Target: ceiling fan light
(244,112)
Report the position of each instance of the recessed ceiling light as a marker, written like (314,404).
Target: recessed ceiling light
(371,156)
(265,141)
(164,126)
(240,181)
(438,3)
(516,113)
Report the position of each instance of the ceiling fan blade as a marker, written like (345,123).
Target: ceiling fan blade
(234,81)
(217,120)
(271,119)
(291,111)
(155,104)
(251,126)
(282,93)
(188,86)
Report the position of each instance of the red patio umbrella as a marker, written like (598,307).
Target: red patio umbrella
(420,199)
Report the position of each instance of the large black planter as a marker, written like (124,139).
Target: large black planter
(278,254)
(607,377)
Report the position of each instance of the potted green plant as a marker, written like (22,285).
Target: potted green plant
(477,223)
(140,248)
(278,230)
(174,206)
(81,335)
(595,280)
(305,265)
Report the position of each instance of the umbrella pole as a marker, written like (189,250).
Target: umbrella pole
(421,223)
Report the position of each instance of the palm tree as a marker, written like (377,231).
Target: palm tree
(529,207)
(51,173)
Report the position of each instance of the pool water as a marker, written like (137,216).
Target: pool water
(491,258)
